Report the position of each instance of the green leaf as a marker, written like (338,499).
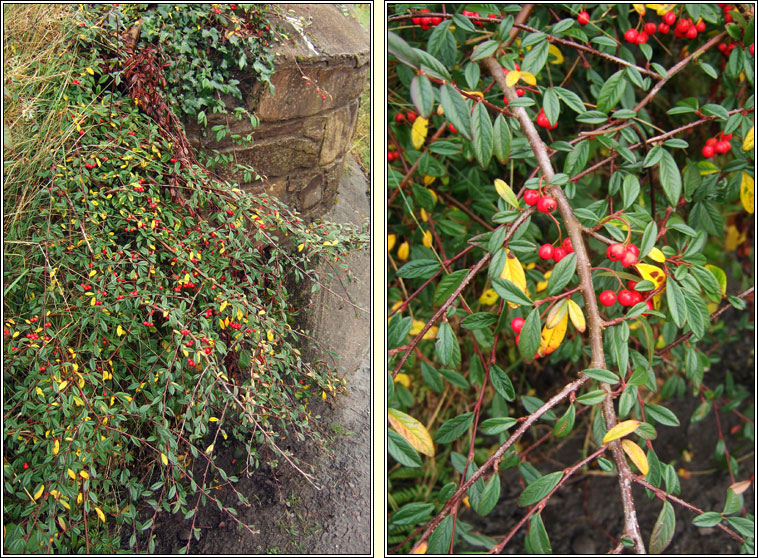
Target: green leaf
(401,50)
(591,397)
(431,378)
(576,160)
(539,488)
(715,110)
(552,105)
(419,268)
(462,22)
(661,415)
(484,50)
(458,380)
(562,273)
(411,514)
(446,344)
(401,450)
(397,330)
(671,178)
(675,302)
(536,58)
(481,128)
(529,338)
(565,424)
(745,526)
(611,92)
(660,70)
(592,117)
(630,190)
(483,502)
(454,428)
(537,541)
(479,320)
(422,95)
(707,519)
(653,156)
(733,502)
(448,284)
(649,236)
(501,139)
(601,375)
(663,530)
(571,99)
(708,69)
(439,540)
(455,109)
(624,114)
(507,290)
(502,383)
(497,425)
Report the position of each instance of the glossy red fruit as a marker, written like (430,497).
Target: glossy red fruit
(641,38)
(631,35)
(633,249)
(426,22)
(546,204)
(615,252)
(708,151)
(399,117)
(700,26)
(583,18)
(650,28)
(691,33)
(436,21)
(726,137)
(632,285)
(517,324)
(559,254)
(531,197)
(682,25)
(711,141)
(566,245)
(542,120)
(669,18)
(416,20)
(546,251)
(649,304)
(629,259)
(411,116)
(626,298)
(520,92)
(663,29)
(607,298)
(636,298)
(752,49)
(452,128)
(723,147)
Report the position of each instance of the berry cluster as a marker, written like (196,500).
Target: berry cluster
(627,254)
(401,117)
(545,204)
(684,28)
(393,156)
(625,297)
(550,252)
(467,13)
(717,145)
(425,21)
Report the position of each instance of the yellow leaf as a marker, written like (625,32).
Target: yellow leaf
(747,193)
(651,273)
(71,474)
(209,449)
(512,77)
(424,216)
(39,492)
(120,331)
(433,193)
(514,272)
(84,474)
(90,71)
(403,379)
(720,276)
(505,192)
(323,395)
(621,430)
(429,180)
(636,454)
(577,316)
(56,447)
(555,51)
(418,132)
(62,385)
(542,285)
(270,335)
(529,78)
(749,142)
(477,93)
(553,337)
(402,251)
(488,297)
(79,498)
(164,459)
(212,419)
(221,323)
(391,239)
(427,240)
(300,246)
(54,493)
(412,430)
(93,272)
(733,238)
(421,548)
(65,505)
(639,8)
(656,255)
(39,392)
(556,314)
(100,514)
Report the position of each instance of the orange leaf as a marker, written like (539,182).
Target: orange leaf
(553,337)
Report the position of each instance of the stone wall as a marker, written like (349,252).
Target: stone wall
(301,142)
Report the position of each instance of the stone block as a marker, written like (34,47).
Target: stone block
(338,133)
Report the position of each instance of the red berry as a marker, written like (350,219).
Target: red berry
(641,38)
(752,49)
(411,116)
(546,251)
(452,128)
(726,137)
(663,28)
(650,28)
(669,18)
(631,35)
(728,17)
(712,142)
(558,254)
(615,251)
(708,151)
(626,298)
(546,204)
(632,285)
(436,21)
(531,197)
(629,259)
(520,92)
(416,20)
(566,245)
(691,33)
(636,298)
(542,120)
(700,26)
(682,25)
(517,324)
(723,147)
(649,304)
(399,117)
(633,249)
(607,298)
(583,18)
